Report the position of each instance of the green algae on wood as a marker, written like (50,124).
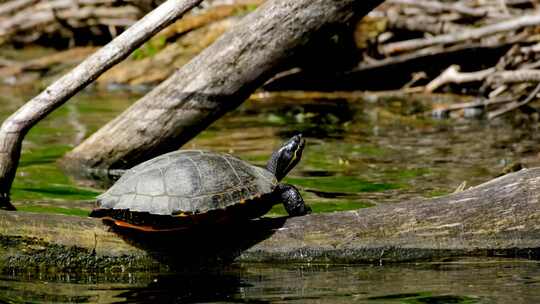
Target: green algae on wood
(497,218)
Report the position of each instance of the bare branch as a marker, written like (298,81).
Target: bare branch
(453,75)
(18,124)
(473,34)
(438,6)
(514,105)
(517,76)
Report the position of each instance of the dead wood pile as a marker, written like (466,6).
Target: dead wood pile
(27,21)
(77,21)
(485,47)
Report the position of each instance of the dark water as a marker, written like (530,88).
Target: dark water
(361,152)
(474,281)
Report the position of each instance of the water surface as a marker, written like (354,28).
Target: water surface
(360,153)
(465,281)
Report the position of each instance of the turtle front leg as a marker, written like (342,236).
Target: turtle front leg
(292,200)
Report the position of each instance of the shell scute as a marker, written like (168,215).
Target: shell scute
(152,184)
(182,170)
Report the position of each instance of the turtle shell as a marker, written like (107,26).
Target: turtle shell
(187,182)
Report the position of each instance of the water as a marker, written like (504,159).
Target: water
(494,281)
(360,153)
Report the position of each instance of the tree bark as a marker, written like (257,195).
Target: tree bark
(216,81)
(498,218)
(18,124)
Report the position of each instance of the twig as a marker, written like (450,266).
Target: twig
(438,6)
(453,75)
(444,111)
(423,23)
(514,105)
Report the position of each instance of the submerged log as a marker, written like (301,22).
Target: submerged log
(498,218)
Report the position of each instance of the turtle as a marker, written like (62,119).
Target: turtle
(187,188)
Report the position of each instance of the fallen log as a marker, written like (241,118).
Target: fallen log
(498,218)
(215,82)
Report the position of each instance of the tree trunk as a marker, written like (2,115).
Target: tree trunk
(19,123)
(216,81)
(498,218)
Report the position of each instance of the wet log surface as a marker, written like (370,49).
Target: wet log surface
(498,218)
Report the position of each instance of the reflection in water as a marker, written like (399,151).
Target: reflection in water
(185,288)
(466,281)
(359,153)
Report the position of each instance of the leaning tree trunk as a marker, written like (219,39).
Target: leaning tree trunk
(216,81)
(498,218)
(15,127)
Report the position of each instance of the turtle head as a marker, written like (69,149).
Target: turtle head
(286,157)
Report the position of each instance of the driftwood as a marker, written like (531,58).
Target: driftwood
(438,7)
(216,81)
(34,19)
(453,75)
(506,26)
(18,124)
(498,218)
(470,35)
(28,20)
(516,104)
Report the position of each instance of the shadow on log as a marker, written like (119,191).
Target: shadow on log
(497,218)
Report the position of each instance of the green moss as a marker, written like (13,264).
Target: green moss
(347,184)
(56,210)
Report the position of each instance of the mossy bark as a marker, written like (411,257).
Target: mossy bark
(498,218)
